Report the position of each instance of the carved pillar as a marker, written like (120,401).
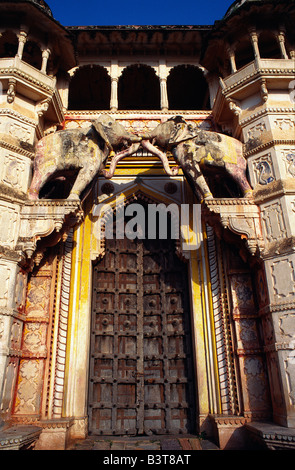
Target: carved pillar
(114,94)
(22,38)
(163,73)
(254,40)
(45,57)
(232,59)
(114,73)
(281,39)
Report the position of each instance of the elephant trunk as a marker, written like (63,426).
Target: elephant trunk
(134,139)
(119,156)
(163,157)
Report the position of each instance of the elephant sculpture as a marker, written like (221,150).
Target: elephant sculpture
(83,151)
(197,151)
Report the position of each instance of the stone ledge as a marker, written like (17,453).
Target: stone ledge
(19,437)
(271,436)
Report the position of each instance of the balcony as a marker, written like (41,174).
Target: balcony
(260,68)
(31,82)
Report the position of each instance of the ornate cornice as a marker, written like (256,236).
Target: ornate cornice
(16,73)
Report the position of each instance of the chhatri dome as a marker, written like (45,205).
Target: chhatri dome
(39,3)
(238,4)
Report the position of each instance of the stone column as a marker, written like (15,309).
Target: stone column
(163,73)
(254,40)
(114,73)
(281,39)
(232,58)
(22,38)
(45,57)
(114,94)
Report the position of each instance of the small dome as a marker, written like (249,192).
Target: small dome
(237,4)
(40,3)
(43,5)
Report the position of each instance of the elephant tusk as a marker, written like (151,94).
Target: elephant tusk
(155,151)
(117,157)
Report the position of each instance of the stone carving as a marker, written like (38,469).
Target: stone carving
(240,216)
(22,132)
(4,283)
(14,169)
(8,221)
(29,388)
(198,151)
(265,172)
(41,218)
(274,223)
(81,150)
(283,277)
(290,159)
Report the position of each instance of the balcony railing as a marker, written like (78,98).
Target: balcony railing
(257,66)
(26,70)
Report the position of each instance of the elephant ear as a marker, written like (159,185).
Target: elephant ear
(99,127)
(182,132)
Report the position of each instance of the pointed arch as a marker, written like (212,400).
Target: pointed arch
(32,54)
(139,88)
(8,44)
(187,88)
(90,88)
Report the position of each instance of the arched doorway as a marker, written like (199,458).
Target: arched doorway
(141,365)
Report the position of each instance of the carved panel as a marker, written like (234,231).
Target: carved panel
(261,170)
(8,225)
(38,297)
(288,157)
(283,277)
(34,342)
(242,294)
(22,132)
(273,221)
(29,388)
(34,339)
(20,291)
(5,273)
(255,386)
(255,131)
(15,172)
(9,384)
(284,123)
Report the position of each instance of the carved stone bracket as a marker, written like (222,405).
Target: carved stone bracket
(47,221)
(240,216)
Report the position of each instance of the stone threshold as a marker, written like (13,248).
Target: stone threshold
(271,436)
(19,437)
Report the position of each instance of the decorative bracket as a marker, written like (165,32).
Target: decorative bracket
(46,217)
(240,216)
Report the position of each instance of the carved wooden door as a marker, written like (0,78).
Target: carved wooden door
(141,367)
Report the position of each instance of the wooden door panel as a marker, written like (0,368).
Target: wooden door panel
(141,378)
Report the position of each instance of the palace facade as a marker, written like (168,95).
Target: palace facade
(138,335)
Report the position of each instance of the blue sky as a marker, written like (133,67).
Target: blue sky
(138,12)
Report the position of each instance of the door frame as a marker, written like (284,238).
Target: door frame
(87,249)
